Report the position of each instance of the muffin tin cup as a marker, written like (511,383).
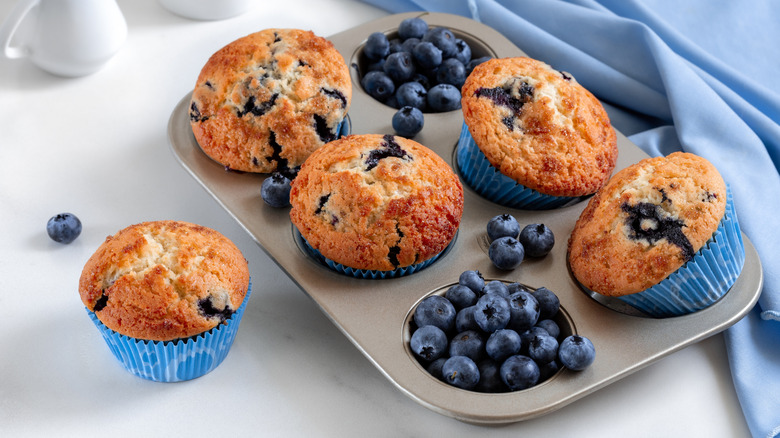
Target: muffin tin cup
(178,360)
(702,281)
(373,315)
(497,187)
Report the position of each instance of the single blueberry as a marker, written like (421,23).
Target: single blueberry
(473,280)
(377,65)
(435,367)
(275,190)
(460,371)
(537,239)
(503,343)
(492,312)
(442,38)
(63,228)
(408,45)
(395,46)
(550,326)
(443,98)
(399,67)
(528,335)
(519,372)
(464,319)
(435,310)
(543,348)
(377,46)
(496,287)
(461,296)
(408,121)
(378,85)
(548,370)
(524,310)
(412,94)
(426,55)
(489,378)
(451,71)
(548,302)
(469,344)
(506,253)
(576,352)
(464,51)
(428,343)
(414,27)
(503,225)
(475,62)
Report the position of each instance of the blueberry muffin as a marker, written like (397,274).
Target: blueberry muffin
(528,126)
(266,101)
(166,281)
(376,203)
(662,235)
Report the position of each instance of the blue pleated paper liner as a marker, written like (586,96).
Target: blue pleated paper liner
(493,185)
(174,361)
(704,279)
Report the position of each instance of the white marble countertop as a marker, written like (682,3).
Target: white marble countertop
(97,146)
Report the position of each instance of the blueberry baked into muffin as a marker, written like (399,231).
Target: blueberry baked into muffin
(662,235)
(161,281)
(266,101)
(376,203)
(532,135)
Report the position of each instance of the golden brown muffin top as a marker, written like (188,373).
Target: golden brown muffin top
(376,202)
(539,127)
(268,100)
(648,221)
(164,280)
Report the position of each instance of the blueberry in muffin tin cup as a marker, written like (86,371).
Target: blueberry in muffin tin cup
(486,180)
(704,279)
(177,360)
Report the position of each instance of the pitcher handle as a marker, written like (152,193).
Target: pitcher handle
(11,24)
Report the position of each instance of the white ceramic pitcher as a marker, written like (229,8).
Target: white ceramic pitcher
(65,37)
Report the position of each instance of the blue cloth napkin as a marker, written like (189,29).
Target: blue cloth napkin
(697,76)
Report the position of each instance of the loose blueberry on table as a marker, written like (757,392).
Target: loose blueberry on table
(64,227)
(495,342)
(275,190)
(408,121)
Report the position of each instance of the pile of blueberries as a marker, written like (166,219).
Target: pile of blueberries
(421,70)
(494,337)
(509,244)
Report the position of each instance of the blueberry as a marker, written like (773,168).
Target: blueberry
(434,368)
(412,28)
(426,55)
(464,51)
(442,38)
(576,352)
(377,46)
(469,344)
(408,45)
(428,343)
(443,98)
(408,121)
(451,71)
(503,225)
(412,94)
(464,319)
(64,227)
(475,62)
(550,326)
(503,343)
(460,371)
(548,302)
(519,372)
(537,239)
(489,378)
(399,66)
(422,80)
(528,335)
(543,348)
(548,370)
(378,85)
(395,46)
(496,287)
(461,296)
(435,310)
(392,102)
(506,253)
(492,312)
(275,190)
(517,287)
(473,280)
(524,310)
(377,65)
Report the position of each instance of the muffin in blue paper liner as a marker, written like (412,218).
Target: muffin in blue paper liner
(486,180)
(702,281)
(176,360)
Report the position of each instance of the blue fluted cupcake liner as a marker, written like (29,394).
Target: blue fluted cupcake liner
(365,273)
(704,279)
(177,360)
(490,183)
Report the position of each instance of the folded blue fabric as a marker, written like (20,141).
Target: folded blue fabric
(697,76)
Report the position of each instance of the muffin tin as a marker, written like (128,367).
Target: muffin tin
(375,314)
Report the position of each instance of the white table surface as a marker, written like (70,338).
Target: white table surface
(97,146)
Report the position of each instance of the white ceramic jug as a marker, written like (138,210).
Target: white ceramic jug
(65,37)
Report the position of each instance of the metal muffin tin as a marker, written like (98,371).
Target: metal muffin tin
(374,314)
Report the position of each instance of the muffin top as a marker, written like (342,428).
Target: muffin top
(376,202)
(648,221)
(266,101)
(164,280)
(539,127)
